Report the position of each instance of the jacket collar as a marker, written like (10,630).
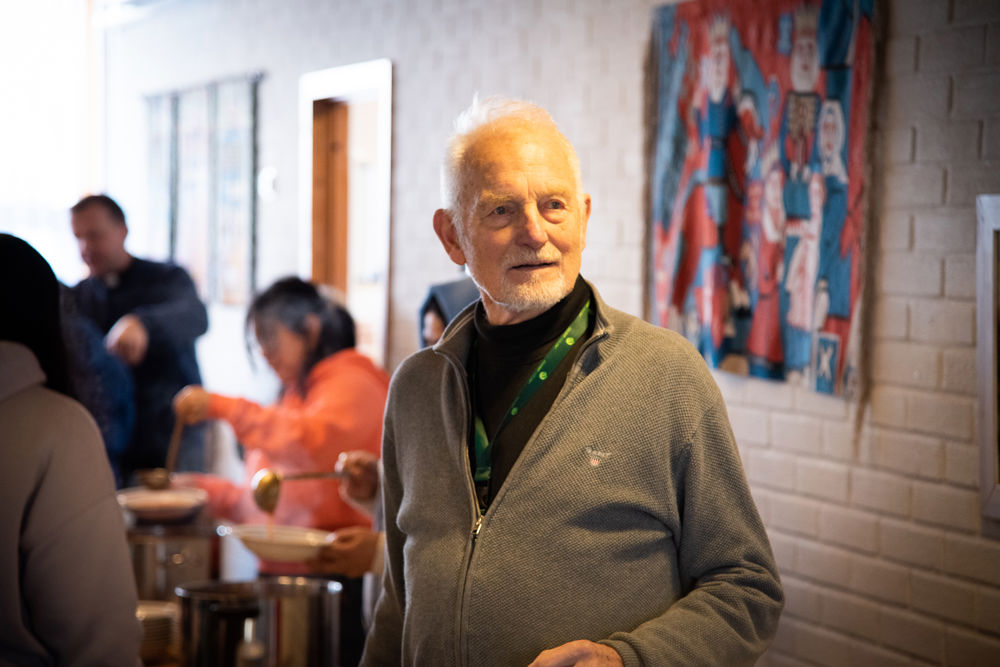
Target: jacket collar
(457,337)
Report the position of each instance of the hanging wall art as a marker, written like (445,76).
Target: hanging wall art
(758,183)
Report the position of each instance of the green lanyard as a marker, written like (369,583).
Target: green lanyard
(556,354)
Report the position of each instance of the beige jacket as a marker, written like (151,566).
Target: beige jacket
(67,592)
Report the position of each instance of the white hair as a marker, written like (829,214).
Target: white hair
(480,114)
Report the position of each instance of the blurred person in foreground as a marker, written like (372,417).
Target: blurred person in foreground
(150,316)
(561,483)
(332,399)
(69,595)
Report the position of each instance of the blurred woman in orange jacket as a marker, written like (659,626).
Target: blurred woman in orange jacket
(331,401)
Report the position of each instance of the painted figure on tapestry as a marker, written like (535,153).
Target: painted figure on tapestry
(757,182)
(801,283)
(801,110)
(764,341)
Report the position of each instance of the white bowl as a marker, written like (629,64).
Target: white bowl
(288,544)
(162,505)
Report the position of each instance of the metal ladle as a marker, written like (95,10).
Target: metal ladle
(159,478)
(266,485)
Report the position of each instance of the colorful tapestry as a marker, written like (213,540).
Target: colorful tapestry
(757,183)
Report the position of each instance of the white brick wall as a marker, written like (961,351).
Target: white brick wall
(960,277)
(908,273)
(911,544)
(877,533)
(942,321)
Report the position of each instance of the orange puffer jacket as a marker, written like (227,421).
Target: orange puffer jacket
(341,411)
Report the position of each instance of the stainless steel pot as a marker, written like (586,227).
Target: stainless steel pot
(164,558)
(296,622)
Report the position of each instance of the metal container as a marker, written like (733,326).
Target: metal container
(296,621)
(164,557)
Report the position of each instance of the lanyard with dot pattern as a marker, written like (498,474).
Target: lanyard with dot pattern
(553,357)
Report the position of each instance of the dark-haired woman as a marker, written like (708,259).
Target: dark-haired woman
(332,399)
(69,595)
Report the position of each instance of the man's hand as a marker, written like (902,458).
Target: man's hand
(191,404)
(128,339)
(350,553)
(361,470)
(581,653)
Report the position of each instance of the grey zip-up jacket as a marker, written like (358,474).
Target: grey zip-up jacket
(626,520)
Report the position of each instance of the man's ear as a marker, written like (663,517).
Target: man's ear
(586,218)
(444,227)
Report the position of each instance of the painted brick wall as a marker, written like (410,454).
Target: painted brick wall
(879,541)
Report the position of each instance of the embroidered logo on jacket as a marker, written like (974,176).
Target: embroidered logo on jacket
(595,456)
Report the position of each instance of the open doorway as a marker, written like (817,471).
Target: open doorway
(330,194)
(344,158)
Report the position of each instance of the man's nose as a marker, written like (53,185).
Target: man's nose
(533,230)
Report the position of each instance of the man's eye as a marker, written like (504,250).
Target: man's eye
(555,204)
(501,210)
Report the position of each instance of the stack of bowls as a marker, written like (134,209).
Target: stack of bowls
(158,621)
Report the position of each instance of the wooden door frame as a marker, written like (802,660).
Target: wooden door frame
(366,81)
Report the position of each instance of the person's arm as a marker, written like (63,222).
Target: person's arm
(356,550)
(334,418)
(177,315)
(353,551)
(360,486)
(730,612)
(77,584)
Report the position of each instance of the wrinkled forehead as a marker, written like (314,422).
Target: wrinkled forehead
(513,146)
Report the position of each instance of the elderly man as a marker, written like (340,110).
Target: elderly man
(561,485)
(150,316)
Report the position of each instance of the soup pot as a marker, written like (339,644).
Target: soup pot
(166,556)
(286,621)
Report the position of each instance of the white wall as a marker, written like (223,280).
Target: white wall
(582,60)
(879,542)
(49,125)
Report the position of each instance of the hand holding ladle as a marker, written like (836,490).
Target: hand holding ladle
(266,485)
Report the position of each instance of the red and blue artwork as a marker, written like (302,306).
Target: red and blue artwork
(758,184)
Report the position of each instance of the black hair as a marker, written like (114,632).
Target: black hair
(105,202)
(289,301)
(30,309)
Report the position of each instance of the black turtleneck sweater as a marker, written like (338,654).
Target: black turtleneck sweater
(501,361)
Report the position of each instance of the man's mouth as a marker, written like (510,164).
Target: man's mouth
(531,266)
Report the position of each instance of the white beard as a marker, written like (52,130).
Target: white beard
(534,295)
(520,298)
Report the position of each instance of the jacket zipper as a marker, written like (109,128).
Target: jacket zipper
(477,526)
